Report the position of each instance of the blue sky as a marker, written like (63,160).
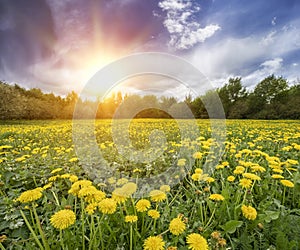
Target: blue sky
(57,45)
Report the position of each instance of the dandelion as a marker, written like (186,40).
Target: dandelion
(196,177)
(154,243)
(85,191)
(131,218)
(129,188)
(54,178)
(73,178)
(253,177)
(216,197)
(239,170)
(91,208)
(122,181)
(222,242)
(249,212)
(177,226)
(76,186)
(73,159)
(287,183)
(196,242)
(181,162)
(108,206)
(165,188)
(63,219)
(209,179)
(277,176)
(198,171)
(216,235)
(30,195)
(157,196)
(230,178)
(56,170)
(142,205)
(172,248)
(197,155)
(65,176)
(119,195)
(96,196)
(154,214)
(245,183)
(49,185)
(3,238)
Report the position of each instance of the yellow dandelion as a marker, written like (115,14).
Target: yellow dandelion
(230,178)
(245,183)
(196,242)
(122,181)
(287,183)
(222,242)
(142,205)
(76,186)
(73,178)
(91,208)
(54,178)
(63,219)
(85,191)
(119,195)
(165,188)
(239,170)
(249,212)
(49,185)
(177,226)
(157,196)
(181,162)
(129,188)
(73,159)
(56,170)
(65,176)
(30,195)
(196,177)
(197,155)
(277,176)
(216,197)
(154,243)
(108,206)
(96,196)
(154,214)
(251,176)
(3,238)
(198,171)
(209,179)
(131,218)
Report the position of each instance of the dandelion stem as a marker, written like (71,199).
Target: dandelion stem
(61,239)
(211,217)
(31,230)
(131,237)
(1,246)
(40,228)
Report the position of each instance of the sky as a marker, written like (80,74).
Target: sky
(57,45)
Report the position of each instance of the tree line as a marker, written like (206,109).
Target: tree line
(272,98)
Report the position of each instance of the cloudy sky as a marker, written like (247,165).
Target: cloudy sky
(57,45)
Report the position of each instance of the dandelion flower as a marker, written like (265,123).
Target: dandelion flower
(216,197)
(49,185)
(154,243)
(65,176)
(119,195)
(287,183)
(181,162)
(253,177)
(131,218)
(108,206)
(209,179)
(63,219)
(129,188)
(245,183)
(198,171)
(122,181)
(165,188)
(157,196)
(85,191)
(249,212)
(230,178)
(216,235)
(177,226)
(222,242)
(56,170)
(142,205)
(54,178)
(154,214)
(239,170)
(73,178)
(196,242)
(196,177)
(91,208)
(96,196)
(197,155)
(30,195)
(277,176)
(76,186)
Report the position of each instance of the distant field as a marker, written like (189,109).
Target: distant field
(247,199)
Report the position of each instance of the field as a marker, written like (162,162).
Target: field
(150,184)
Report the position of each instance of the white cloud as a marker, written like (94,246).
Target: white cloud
(274,20)
(184,31)
(258,55)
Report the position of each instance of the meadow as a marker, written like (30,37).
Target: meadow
(196,192)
